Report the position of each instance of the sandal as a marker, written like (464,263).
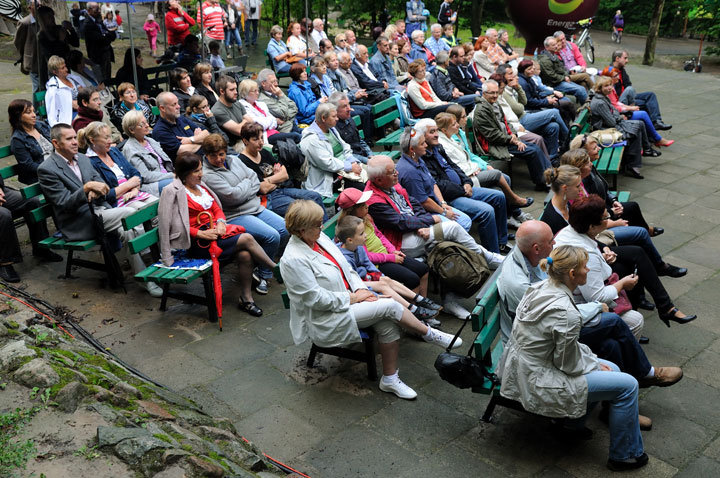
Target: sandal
(250,307)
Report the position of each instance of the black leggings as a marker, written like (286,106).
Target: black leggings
(408,273)
(627,258)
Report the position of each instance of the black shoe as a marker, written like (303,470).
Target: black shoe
(672,271)
(250,307)
(657,231)
(634,173)
(651,153)
(543,188)
(667,317)
(645,304)
(511,236)
(505,249)
(528,202)
(8,274)
(46,255)
(428,304)
(424,314)
(633,464)
(659,125)
(643,340)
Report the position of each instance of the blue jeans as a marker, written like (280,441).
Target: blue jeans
(638,236)
(462,219)
(649,127)
(537,162)
(573,89)
(612,340)
(280,199)
(269,231)
(488,208)
(548,124)
(646,100)
(284,69)
(466,101)
(234,35)
(621,390)
(162,183)
(35,79)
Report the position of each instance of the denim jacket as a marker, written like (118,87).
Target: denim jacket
(28,152)
(108,176)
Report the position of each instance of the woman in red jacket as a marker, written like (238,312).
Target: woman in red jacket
(177,23)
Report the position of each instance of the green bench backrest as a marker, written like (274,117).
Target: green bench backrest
(382,115)
(40,100)
(9,171)
(329,226)
(145,214)
(143,241)
(357,121)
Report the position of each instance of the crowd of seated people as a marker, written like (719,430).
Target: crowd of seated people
(208,150)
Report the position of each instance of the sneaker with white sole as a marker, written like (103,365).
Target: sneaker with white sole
(442,339)
(398,388)
(524,216)
(153,289)
(432,322)
(513,223)
(453,307)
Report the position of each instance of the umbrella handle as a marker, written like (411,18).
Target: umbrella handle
(204,220)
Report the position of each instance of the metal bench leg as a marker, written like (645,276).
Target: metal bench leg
(311,357)
(210,296)
(490,409)
(68,265)
(370,359)
(163,300)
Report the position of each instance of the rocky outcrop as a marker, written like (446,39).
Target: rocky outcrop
(149,430)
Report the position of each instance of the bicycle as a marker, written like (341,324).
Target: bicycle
(617,35)
(585,41)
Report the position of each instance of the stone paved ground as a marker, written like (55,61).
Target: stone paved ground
(332,422)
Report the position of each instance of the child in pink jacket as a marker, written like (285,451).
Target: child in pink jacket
(152,28)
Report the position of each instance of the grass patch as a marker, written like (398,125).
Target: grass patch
(14,455)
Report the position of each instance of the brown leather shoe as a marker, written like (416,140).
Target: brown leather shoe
(645,422)
(664,377)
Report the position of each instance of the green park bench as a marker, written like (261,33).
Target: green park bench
(581,125)
(163,276)
(367,355)
(269,64)
(609,162)
(488,346)
(162,75)
(385,113)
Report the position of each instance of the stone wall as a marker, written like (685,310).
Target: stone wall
(91,417)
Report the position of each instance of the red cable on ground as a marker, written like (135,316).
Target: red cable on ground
(36,310)
(281,464)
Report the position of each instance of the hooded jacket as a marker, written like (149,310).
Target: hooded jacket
(543,364)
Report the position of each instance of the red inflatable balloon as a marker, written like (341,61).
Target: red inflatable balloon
(537,19)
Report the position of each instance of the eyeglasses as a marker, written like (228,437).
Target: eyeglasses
(606,218)
(492,93)
(584,140)
(394,172)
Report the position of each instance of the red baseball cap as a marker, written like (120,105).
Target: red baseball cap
(351,196)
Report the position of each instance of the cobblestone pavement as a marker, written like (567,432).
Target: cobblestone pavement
(333,422)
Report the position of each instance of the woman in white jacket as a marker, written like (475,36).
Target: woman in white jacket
(329,302)
(61,94)
(248,93)
(551,373)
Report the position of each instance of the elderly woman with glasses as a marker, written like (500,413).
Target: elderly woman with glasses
(146,154)
(424,103)
(329,302)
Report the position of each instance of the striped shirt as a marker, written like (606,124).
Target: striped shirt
(213,15)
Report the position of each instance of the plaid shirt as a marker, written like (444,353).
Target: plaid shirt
(496,54)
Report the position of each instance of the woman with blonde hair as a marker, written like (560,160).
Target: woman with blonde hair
(61,93)
(248,94)
(329,302)
(551,373)
(203,80)
(146,154)
(566,184)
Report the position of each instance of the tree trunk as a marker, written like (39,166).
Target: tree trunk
(649,56)
(476,19)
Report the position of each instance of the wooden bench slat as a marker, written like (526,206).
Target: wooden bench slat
(143,275)
(8,171)
(143,241)
(488,334)
(386,119)
(393,139)
(49,241)
(147,213)
(615,160)
(31,191)
(188,276)
(80,245)
(604,161)
(329,227)
(394,155)
(41,213)
(623,196)
(383,105)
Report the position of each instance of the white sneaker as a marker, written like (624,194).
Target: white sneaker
(398,388)
(442,339)
(153,289)
(452,306)
(524,216)
(513,223)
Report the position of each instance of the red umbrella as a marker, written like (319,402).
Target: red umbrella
(205,221)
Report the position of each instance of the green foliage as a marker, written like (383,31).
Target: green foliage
(88,452)
(13,454)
